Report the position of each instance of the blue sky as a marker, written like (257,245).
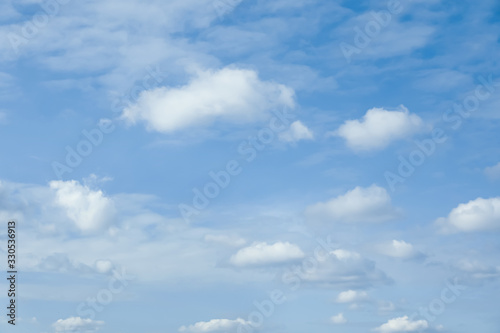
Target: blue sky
(252,166)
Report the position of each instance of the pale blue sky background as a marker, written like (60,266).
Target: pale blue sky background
(184,85)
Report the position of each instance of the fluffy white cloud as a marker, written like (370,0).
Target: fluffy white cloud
(493,172)
(264,254)
(399,249)
(338,319)
(229,95)
(89,210)
(77,325)
(378,128)
(476,215)
(403,324)
(351,296)
(372,204)
(296,132)
(214,325)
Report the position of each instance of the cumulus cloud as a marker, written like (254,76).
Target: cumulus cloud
(378,128)
(476,215)
(296,132)
(214,325)
(351,296)
(89,210)
(229,95)
(399,249)
(259,254)
(403,324)
(372,204)
(493,172)
(338,319)
(77,325)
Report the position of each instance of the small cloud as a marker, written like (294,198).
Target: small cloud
(493,172)
(296,132)
(338,319)
(214,325)
(372,204)
(399,249)
(476,215)
(403,324)
(378,128)
(103,266)
(259,254)
(77,325)
(351,296)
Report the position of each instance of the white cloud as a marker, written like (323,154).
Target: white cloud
(338,319)
(351,296)
(230,95)
(264,254)
(77,325)
(372,204)
(296,132)
(403,324)
(493,172)
(399,249)
(342,269)
(214,325)
(476,215)
(342,254)
(378,128)
(225,240)
(89,210)
(103,266)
